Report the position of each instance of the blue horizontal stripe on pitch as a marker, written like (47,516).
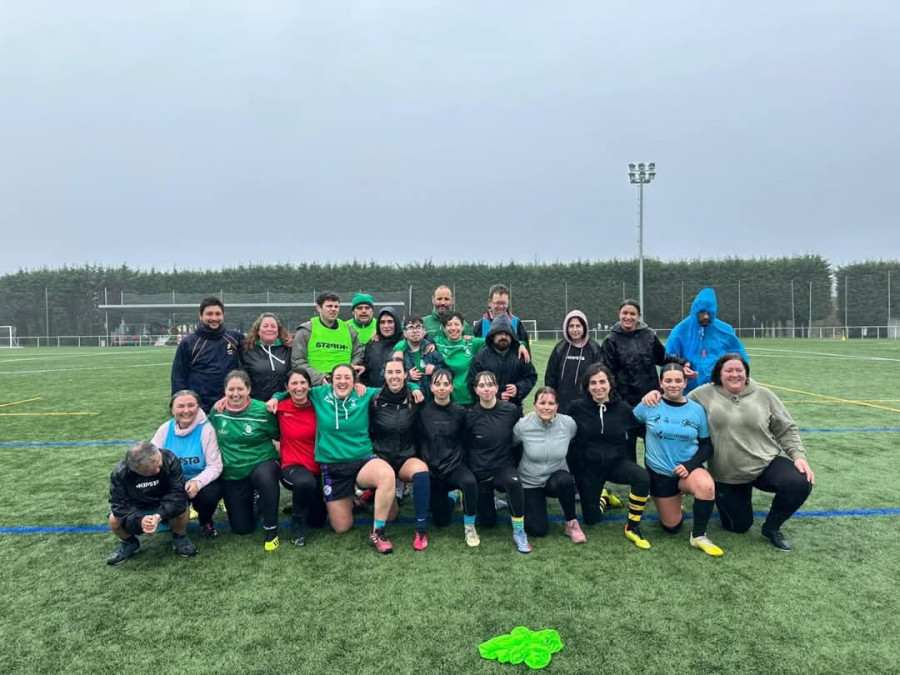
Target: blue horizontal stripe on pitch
(849,430)
(78,529)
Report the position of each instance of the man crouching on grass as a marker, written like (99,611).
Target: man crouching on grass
(146,489)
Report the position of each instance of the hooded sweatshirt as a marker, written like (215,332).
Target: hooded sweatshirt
(196,447)
(379,352)
(702,346)
(267,367)
(393,424)
(508,367)
(342,425)
(633,356)
(568,361)
(545,447)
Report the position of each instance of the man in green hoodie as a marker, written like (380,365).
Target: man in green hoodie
(442,300)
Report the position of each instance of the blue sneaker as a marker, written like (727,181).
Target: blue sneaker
(521,540)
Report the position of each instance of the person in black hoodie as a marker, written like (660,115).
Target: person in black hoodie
(266,356)
(204,357)
(378,351)
(515,377)
(489,455)
(570,358)
(442,429)
(599,451)
(145,489)
(393,425)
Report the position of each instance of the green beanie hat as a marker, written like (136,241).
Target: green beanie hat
(362,299)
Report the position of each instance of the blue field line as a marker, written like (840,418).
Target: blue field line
(93,529)
(83,444)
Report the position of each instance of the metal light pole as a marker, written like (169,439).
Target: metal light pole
(641,174)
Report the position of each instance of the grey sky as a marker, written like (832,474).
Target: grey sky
(203,134)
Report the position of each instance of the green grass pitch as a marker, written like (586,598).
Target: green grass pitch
(337,607)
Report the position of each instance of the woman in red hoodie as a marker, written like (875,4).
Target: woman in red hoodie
(299,470)
(570,359)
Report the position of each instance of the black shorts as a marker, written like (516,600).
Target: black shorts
(663,486)
(396,464)
(339,479)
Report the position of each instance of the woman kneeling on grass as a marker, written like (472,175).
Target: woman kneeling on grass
(442,429)
(299,470)
(247,434)
(545,437)
(393,422)
(677,446)
(489,430)
(600,452)
(188,436)
(345,454)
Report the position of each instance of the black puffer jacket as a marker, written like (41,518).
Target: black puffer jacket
(489,438)
(508,367)
(379,352)
(130,493)
(633,358)
(603,431)
(442,437)
(267,368)
(393,424)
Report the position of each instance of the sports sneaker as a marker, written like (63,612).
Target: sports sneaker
(208,530)
(472,538)
(521,540)
(123,551)
(778,540)
(381,543)
(193,514)
(272,545)
(183,546)
(499,504)
(633,534)
(420,543)
(573,531)
(297,537)
(611,499)
(704,544)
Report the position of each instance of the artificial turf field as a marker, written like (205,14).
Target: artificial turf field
(337,607)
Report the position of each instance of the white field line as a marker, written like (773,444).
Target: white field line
(792,353)
(70,370)
(73,356)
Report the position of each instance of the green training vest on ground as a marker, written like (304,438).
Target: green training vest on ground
(329,347)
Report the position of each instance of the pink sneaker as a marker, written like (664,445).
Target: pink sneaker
(381,543)
(573,531)
(420,543)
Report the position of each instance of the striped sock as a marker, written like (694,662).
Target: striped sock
(518,523)
(636,506)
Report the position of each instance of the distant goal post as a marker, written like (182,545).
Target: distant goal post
(531,328)
(8,337)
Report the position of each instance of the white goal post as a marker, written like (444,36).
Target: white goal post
(531,327)
(8,337)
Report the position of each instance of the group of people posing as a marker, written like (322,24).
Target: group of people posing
(344,408)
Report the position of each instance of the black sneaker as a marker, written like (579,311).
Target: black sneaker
(183,546)
(124,551)
(208,530)
(297,538)
(778,540)
(288,508)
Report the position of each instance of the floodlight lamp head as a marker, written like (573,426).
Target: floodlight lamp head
(631,176)
(641,167)
(631,167)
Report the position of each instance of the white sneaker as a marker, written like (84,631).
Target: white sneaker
(472,538)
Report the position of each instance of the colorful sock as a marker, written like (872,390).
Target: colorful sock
(518,523)
(604,502)
(468,520)
(636,507)
(703,509)
(453,494)
(421,498)
(271,533)
(379,525)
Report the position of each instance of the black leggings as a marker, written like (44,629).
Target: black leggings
(781,477)
(206,501)
(460,478)
(505,479)
(591,477)
(306,494)
(560,485)
(239,497)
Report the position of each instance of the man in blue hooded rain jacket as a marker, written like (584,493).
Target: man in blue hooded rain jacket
(701,338)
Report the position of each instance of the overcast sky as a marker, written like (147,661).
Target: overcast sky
(205,134)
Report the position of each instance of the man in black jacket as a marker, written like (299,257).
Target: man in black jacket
(204,357)
(146,489)
(516,377)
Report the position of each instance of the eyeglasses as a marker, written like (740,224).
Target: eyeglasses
(414,326)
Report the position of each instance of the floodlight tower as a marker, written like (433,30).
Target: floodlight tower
(641,174)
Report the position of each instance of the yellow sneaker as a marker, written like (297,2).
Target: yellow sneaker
(611,499)
(705,545)
(633,534)
(272,545)
(193,515)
